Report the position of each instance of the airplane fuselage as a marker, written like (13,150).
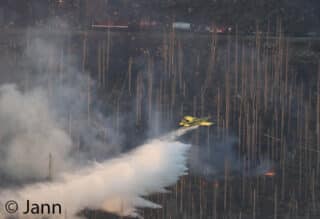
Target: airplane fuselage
(188,121)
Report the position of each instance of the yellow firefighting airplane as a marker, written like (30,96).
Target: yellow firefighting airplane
(188,121)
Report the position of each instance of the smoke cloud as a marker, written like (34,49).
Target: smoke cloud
(50,118)
(213,160)
(116,185)
(210,161)
(29,134)
(52,123)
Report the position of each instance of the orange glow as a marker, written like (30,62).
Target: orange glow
(270,173)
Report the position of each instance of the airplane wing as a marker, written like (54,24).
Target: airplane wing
(189,118)
(206,123)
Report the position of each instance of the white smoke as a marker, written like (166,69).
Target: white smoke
(29,134)
(41,130)
(50,112)
(116,185)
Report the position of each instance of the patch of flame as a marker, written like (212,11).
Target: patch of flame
(270,173)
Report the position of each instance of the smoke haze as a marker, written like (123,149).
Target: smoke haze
(29,134)
(53,112)
(116,185)
(50,119)
(52,125)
